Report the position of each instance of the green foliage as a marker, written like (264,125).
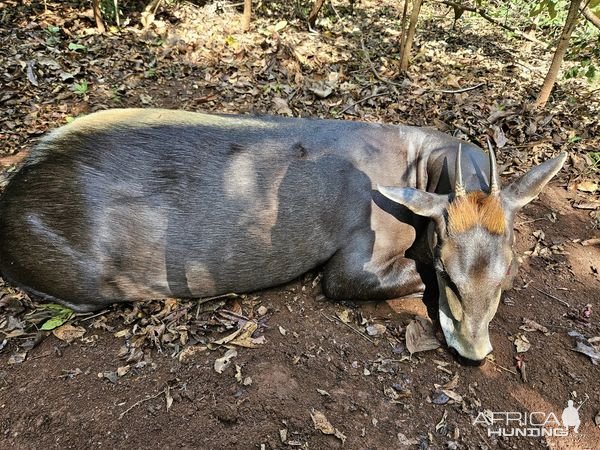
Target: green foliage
(548,17)
(595,157)
(60,314)
(80,88)
(584,69)
(75,46)
(52,35)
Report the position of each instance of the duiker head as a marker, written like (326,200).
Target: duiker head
(471,241)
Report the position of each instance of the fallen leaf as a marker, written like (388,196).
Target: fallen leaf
(344,315)
(282,330)
(453,395)
(168,398)
(452,384)
(244,339)
(420,336)
(31,74)
(531,325)
(223,363)
(376,329)
(588,350)
(323,91)
(68,332)
(322,424)
(522,344)
(60,315)
(110,376)
(122,371)
(17,358)
(406,442)
(186,354)
(587,186)
(281,106)
(442,423)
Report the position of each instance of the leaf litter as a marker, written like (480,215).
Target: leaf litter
(247,73)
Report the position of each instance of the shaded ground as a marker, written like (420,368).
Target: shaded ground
(142,376)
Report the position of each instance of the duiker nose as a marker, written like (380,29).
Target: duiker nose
(466,361)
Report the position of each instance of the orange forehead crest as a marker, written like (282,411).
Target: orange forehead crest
(476,209)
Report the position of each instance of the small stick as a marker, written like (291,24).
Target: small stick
(502,367)
(379,77)
(226,312)
(552,297)
(101,313)
(139,402)
(361,101)
(531,221)
(360,333)
(458,91)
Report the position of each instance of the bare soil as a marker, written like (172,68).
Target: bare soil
(307,360)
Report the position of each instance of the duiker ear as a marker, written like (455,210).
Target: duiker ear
(420,202)
(525,189)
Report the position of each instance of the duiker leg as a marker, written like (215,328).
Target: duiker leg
(355,273)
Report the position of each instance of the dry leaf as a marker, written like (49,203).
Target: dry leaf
(420,336)
(188,352)
(168,398)
(344,315)
(522,344)
(17,358)
(322,424)
(376,329)
(587,186)
(223,363)
(589,351)
(244,339)
(531,325)
(452,384)
(122,371)
(281,106)
(68,332)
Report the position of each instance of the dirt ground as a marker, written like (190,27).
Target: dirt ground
(144,375)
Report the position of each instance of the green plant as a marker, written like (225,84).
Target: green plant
(80,88)
(52,35)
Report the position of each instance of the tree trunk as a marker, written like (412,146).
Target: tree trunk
(410,34)
(559,54)
(98,16)
(403,27)
(314,12)
(589,15)
(247,15)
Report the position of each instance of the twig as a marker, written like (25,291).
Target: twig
(93,316)
(361,101)
(379,77)
(139,402)
(483,14)
(531,221)
(503,368)
(360,333)
(226,312)
(552,297)
(458,91)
